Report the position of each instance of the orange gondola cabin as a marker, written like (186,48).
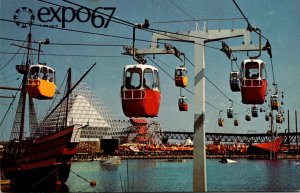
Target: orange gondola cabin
(253,82)
(140,92)
(275,104)
(181,78)
(41,82)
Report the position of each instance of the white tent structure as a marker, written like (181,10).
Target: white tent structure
(86,110)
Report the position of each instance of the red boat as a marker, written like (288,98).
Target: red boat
(42,160)
(46,161)
(270,146)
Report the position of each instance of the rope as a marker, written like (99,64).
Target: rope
(80,176)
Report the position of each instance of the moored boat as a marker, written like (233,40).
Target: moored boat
(228,161)
(112,161)
(43,159)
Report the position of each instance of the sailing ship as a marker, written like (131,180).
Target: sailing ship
(44,158)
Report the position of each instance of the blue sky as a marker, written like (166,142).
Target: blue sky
(278,20)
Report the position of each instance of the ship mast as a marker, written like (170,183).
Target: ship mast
(24,93)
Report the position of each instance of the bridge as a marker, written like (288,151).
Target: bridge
(291,138)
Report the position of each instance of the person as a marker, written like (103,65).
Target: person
(128,83)
(145,85)
(255,75)
(247,73)
(35,75)
(45,76)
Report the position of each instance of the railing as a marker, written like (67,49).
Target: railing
(133,94)
(33,82)
(252,83)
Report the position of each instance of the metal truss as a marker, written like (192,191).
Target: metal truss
(232,137)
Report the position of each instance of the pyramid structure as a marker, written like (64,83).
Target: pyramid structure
(85,109)
(88,114)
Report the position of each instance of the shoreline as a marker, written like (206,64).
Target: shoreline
(180,157)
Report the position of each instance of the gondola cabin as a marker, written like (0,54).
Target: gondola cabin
(275,104)
(234,81)
(181,78)
(279,118)
(230,112)
(267,117)
(183,103)
(253,81)
(41,82)
(248,117)
(140,92)
(221,122)
(254,111)
(236,122)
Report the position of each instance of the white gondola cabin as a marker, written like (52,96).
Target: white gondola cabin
(41,82)
(181,78)
(234,81)
(230,111)
(140,92)
(183,103)
(253,81)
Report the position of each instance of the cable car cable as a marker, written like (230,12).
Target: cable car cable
(166,8)
(249,25)
(179,21)
(75,55)
(15,54)
(133,25)
(181,9)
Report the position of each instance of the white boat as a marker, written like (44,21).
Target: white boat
(227,161)
(134,149)
(113,161)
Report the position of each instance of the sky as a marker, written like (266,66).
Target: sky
(278,20)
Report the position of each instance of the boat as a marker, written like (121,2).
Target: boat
(273,146)
(262,150)
(42,160)
(112,161)
(227,161)
(134,149)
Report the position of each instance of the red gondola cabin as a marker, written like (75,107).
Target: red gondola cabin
(140,93)
(182,104)
(253,82)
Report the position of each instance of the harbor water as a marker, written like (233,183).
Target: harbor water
(177,176)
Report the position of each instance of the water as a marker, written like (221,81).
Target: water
(157,176)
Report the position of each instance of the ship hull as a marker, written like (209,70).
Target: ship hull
(46,161)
